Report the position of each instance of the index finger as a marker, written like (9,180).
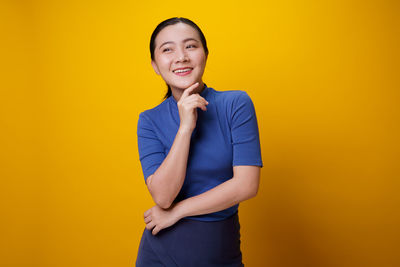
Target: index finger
(189,90)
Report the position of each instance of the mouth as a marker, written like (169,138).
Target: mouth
(182,71)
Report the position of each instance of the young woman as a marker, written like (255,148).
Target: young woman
(200,156)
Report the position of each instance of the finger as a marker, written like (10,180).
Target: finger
(197,104)
(202,103)
(150,225)
(195,98)
(203,108)
(189,90)
(147,219)
(156,230)
(146,213)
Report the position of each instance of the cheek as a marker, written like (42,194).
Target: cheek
(200,58)
(163,62)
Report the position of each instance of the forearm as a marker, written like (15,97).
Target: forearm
(167,180)
(218,198)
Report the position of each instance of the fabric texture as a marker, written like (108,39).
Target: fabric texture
(192,243)
(226,135)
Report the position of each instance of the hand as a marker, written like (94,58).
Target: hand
(187,105)
(157,218)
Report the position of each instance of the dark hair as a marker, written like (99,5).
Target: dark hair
(173,21)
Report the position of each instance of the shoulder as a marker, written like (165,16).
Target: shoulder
(229,94)
(235,104)
(153,116)
(154,112)
(231,98)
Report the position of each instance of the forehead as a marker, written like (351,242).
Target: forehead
(176,33)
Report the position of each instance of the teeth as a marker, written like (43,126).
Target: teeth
(183,70)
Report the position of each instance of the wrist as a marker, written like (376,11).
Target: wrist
(179,210)
(184,130)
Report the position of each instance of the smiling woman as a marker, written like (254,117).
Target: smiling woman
(179,52)
(200,156)
(195,36)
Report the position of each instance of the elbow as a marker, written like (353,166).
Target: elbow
(248,191)
(159,198)
(252,192)
(247,180)
(163,202)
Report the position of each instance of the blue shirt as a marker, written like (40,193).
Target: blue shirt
(226,135)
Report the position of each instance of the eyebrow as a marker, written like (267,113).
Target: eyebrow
(186,40)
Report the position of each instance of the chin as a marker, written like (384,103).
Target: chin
(183,84)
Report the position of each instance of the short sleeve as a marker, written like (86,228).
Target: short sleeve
(244,131)
(151,150)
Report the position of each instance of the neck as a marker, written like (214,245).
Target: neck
(177,93)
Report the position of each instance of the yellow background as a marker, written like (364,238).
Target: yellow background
(323,75)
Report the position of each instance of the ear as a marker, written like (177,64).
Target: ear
(155,67)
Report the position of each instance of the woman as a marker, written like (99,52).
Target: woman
(200,156)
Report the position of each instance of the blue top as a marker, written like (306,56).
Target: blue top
(226,135)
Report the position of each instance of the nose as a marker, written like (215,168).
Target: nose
(181,56)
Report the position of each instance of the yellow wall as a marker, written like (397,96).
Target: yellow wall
(324,77)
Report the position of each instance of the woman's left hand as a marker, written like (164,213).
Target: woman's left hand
(157,218)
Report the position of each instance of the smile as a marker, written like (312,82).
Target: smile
(182,72)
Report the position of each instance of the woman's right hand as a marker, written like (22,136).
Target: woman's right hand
(187,106)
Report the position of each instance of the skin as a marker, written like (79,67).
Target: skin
(179,46)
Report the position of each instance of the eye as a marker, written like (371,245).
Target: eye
(191,46)
(167,49)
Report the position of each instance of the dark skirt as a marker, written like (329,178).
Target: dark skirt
(193,243)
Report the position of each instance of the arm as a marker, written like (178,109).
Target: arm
(243,185)
(166,182)
(246,173)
